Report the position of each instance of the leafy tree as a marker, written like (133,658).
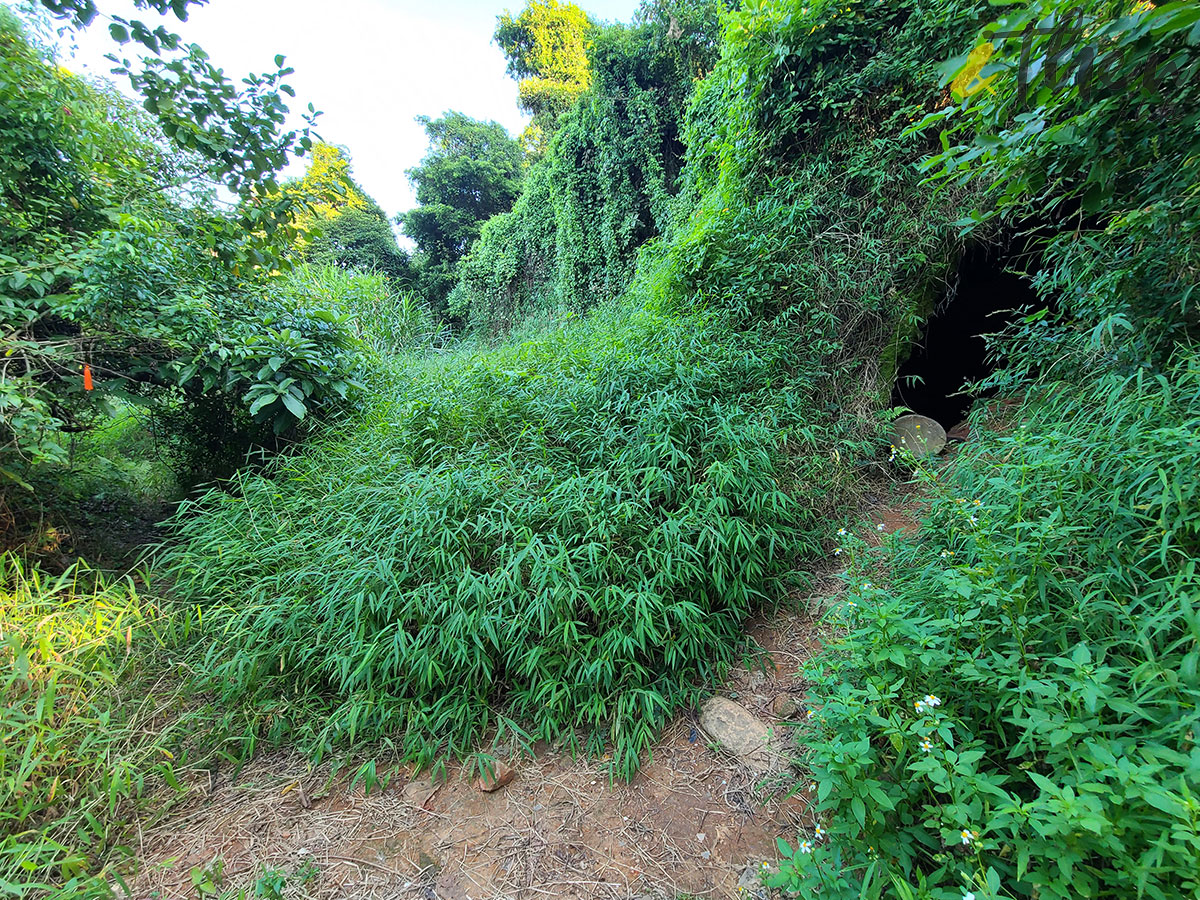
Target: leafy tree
(546,46)
(339,224)
(360,241)
(473,171)
(117,283)
(608,181)
(239,131)
(328,188)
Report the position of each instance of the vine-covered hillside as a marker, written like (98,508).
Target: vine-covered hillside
(528,480)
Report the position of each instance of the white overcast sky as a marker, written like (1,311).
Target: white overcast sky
(370,65)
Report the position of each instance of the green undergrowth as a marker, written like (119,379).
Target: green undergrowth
(1014,714)
(86,723)
(124,458)
(555,539)
(560,537)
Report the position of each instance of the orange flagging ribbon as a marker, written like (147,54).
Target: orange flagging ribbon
(87,377)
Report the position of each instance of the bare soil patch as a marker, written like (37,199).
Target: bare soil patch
(689,824)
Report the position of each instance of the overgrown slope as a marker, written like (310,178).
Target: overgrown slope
(561,536)
(575,526)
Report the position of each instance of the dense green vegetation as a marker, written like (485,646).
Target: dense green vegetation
(607,182)
(118,257)
(84,730)
(679,318)
(471,173)
(547,48)
(1049,612)
(560,538)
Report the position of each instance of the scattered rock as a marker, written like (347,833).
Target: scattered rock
(750,882)
(919,435)
(737,730)
(785,706)
(419,792)
(498,778)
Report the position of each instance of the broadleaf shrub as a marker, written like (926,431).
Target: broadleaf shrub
(1014,714)
(607,182)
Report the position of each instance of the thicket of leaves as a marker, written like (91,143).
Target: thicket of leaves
(605,185)
(115,255)
(339,224)
(547,49)
(560,536)
(83,726)
(1012,714)
(471,173)
(575,525)
(1048,608)
(557,539)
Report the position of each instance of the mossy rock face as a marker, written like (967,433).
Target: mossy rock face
(918,435)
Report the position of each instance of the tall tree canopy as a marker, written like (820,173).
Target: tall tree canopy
(339,223)
(472,172)
(608,180)
(328,188)
(547,49)
(240,129)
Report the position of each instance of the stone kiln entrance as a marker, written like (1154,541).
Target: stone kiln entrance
(982,298)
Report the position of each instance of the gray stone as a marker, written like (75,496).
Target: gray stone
(418,792)
(785,706)
(740,732)
(919,435)
(750,882)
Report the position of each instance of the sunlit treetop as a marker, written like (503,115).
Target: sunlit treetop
(547,47)
(328,188)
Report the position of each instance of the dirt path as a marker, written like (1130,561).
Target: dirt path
(689,824)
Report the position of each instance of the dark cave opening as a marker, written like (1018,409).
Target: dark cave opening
(982,298)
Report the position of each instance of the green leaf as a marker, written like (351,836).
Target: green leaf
(1093,198)
(860,811)
(263,400)
(295,407)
